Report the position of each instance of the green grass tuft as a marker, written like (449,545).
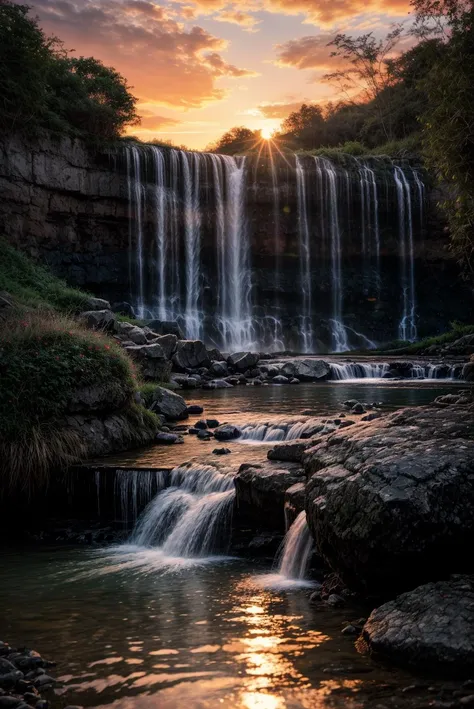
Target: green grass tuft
(33,285)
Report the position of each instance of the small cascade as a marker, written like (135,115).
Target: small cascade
(441,371)
(293,558)
(191,517)
(297,550)
(284,431)
(358,370)
(134,490)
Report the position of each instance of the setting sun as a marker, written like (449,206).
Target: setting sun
(267,133)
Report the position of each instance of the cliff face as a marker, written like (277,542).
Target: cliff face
(62,205)
(70,207)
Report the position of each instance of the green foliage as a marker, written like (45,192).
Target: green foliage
(406,147)
(305,126)
(41,86)
(236,140)
(32,285)
(43,359)
(399,347)
(448,120)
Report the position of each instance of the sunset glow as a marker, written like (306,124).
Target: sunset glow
(200,68)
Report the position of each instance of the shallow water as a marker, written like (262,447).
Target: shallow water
(127,633)
(244,405)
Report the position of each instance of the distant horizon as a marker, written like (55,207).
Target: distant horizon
(201,67)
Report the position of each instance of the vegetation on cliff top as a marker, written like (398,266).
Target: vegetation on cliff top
(42,86)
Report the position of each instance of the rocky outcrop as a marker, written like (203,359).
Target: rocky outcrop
(190,354)
(430,628)
(242,361)
(152,361)
(261,489)
(306,370)
(169,404)
(390,503)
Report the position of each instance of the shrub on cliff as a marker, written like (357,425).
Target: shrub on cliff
(45,360)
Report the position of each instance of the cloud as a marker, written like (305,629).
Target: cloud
(311,52)
(281,109)
(163,61)
(237,17)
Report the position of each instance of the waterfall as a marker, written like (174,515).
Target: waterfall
(407,327)
(284,431)
(134,489)
(190,518)
(297,549)
(358,370)
(195,256)
(136,208)
(338,331)
(305,259)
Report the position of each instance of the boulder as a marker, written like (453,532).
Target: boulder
(227,432)
(215,355)
(217,384)
(390,503)
(190,354)
(137,336)
(168,344)
(168,439)
(152,361)
(165,327)
(463,346)
(280,379)
(169,404)
(430,628)
(241,361)
(123,308)
(219,369)
(260,492)
(97,304)
(290,451)
(98,319)
(195,409)
(306,370)
(400,369)
(221,451)
(468,372)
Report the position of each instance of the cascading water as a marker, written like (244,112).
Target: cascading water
(293,557)
(358,370)
(134,490)
(191,517)
(197,259)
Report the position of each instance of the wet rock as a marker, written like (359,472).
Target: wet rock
(280,379)
(166,327)
(42,704)
(227,432)
(260,491)
(221,451)
(168,439)
(44,681)
(10,702)
(215,355)
(295,499)
(123,308)
(350,630)
(217,384)
(169,404)
(257,382)
(346,423)
(241,361)
(306,370)
(190,354)
(335,600)
(400,369)
(350,403)
(390,502)
(358,409)
(97,304)
(195,409)
(204,435)
(200,425)
(212,423)
(193,431)
(468,372)
(371,417)
(291,451)
(98,319)
(294,381)
(430,628)
(152,361)
(9,674)
(168,344)
(219,369)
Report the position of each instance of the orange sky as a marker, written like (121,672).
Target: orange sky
(200,67)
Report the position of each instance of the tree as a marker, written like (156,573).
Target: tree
(306,126)
(236,140)
(41,85)
(25,56)
(369,74)
(448,117)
